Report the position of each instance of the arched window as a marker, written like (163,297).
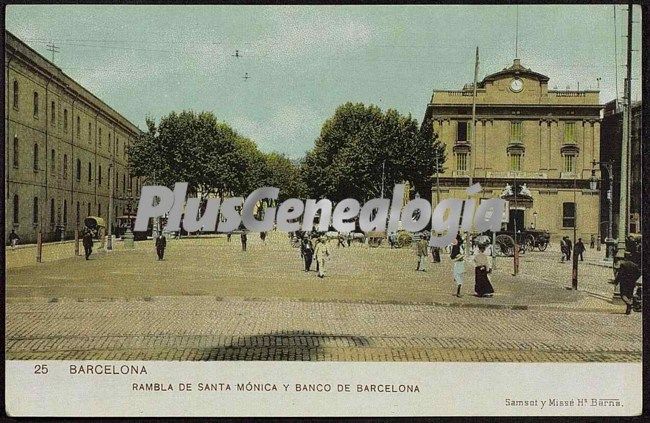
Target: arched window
(52,160)
(16,209)
(53,115)
(78,170)
(65,166)
(35,104)
(52,210)
(65,211)
(78,126)
(16,94)
(36,156)
(65,120)
(78,213)
(90,172)
(35,210)
(16,150)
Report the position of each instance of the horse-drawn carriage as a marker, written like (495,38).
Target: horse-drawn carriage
(527,240)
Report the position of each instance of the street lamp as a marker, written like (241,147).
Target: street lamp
(535,219)
(593,183)
(128,234)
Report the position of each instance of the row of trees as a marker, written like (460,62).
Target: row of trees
(360,150)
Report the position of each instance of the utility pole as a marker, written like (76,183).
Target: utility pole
(53,48)
(625,141)
(109,225)
(473,134)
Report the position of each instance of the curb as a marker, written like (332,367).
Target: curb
(513,307)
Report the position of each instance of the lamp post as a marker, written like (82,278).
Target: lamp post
(574,271)
(128,234)
(535,220)
(593,183)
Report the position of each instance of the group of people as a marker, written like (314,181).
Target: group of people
(566,247)
(459,257)
(314,247)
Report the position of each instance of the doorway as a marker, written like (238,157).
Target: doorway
(516,219)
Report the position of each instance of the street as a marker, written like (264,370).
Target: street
(208,300)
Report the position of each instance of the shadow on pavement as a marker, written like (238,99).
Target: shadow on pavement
(285,346)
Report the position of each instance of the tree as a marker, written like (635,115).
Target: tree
(284,174)
(360,145)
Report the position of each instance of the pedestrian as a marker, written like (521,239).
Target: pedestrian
(350,237)
(263,237)
(435,253)
(161,244)
(13,238)
(563,247)
(87,241)
(569,247)
(321,252)
(307,252)
(244,239)
(627,275)
(579,249)
(458,258)
(592,243)
(421,248)
(228,236)
(392,240)
(482,269)
(341,241)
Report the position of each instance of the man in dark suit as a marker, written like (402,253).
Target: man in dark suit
(161,244)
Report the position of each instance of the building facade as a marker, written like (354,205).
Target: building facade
(62,145)
(610,145)
(533,147)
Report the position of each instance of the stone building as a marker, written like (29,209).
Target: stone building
(539,143)
(60,144)
(610,145)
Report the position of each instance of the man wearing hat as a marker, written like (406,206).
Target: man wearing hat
(320,253)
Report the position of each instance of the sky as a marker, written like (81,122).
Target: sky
(305,61)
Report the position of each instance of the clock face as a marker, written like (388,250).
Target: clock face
(516,85)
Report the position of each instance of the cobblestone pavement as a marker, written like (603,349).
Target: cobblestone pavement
(209,328)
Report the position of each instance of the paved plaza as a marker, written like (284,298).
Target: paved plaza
(208,300)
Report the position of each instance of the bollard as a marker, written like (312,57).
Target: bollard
(39,247)
(76,242)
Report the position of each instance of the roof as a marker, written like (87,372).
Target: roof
(516,70)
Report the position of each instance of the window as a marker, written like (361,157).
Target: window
(99,209)
(123,183)
(16,209)
(569,132)
(16,94)
(35,210)
(90,132)
(109,144)
(65,166)
(36,156)
(65,211)
(90,172)
(461,161)
(65,120)
(16,152)
(35,104)
(78,126)
(52,210)
(53,116)
(78,170)
(52,160)
(78,213)
(515,162)
(117,181)
(99,139)
(516,132)
(568,215)
(464,131)
(88,209)
(569,162)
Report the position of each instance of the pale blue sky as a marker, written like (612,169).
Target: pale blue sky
(305,61)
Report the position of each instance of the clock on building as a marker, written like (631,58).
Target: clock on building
(516,85)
